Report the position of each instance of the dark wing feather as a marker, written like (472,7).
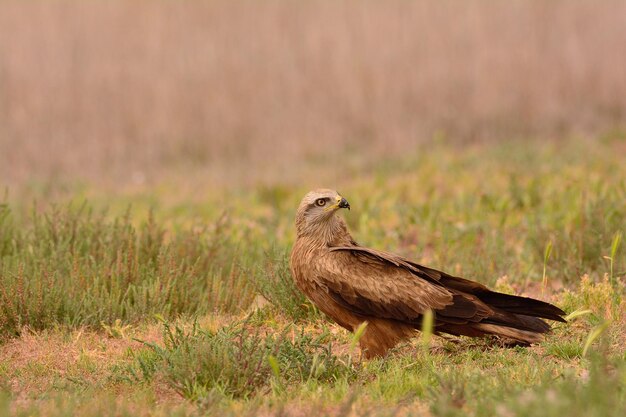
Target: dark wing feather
(511,310)
(372,287)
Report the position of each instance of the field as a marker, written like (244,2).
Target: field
(153,301)
(153,153)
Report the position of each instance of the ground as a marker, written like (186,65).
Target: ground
(175,298)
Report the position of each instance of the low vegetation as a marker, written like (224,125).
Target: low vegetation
(73,267)
(172,302)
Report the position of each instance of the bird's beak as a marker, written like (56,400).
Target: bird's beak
(339,203)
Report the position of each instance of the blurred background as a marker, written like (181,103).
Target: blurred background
(239,92)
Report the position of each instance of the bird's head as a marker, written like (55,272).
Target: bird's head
(317,210)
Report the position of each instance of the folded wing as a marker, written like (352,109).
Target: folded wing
(372,286)
(382,284)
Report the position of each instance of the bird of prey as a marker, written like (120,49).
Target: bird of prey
(352,284)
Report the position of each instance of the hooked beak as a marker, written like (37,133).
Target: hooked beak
(340,202)
(343,203)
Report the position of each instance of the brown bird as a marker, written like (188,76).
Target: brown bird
(352,284)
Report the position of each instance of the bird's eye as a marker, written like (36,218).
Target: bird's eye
(321,202)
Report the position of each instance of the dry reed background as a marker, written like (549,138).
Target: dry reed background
(120,91)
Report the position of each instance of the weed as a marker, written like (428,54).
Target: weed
(238,361)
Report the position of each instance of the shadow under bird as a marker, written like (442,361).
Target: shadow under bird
(352,284)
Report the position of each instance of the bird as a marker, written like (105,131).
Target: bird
(353,284)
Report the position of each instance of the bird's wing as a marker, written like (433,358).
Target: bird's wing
(472,300)
(371,286)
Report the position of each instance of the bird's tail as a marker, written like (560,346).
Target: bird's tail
(516,329)
(509,334)
(517,319)
(521,305)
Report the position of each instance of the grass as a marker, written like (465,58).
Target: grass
(73,267)
(238,361)
(169,301)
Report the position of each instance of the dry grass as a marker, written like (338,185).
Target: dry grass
(39,363)
(39,359)
(124,92)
